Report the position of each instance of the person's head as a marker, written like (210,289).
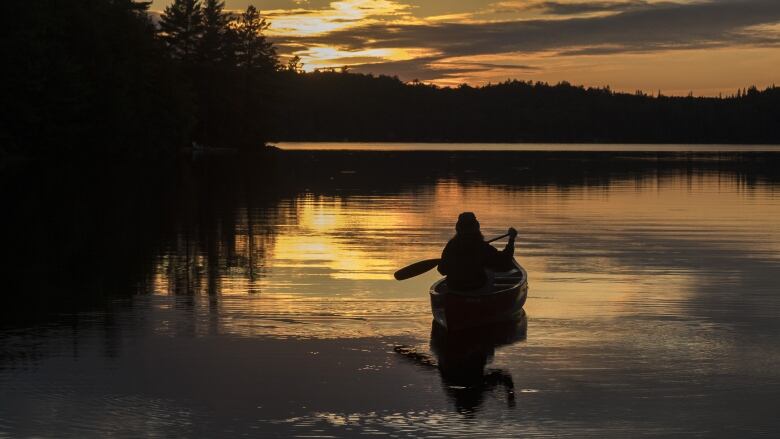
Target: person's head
(467,225)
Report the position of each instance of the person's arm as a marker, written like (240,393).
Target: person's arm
(509,250)
(498,260)
(444,264)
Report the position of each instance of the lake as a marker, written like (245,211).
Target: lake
(222,297)
(549,147)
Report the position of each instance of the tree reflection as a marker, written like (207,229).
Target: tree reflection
(223,225)
(79,238)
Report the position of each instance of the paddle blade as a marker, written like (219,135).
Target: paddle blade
(416,269)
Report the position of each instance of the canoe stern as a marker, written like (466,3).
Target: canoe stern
(456,311)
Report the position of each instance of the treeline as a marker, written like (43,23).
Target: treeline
(87,76)
(104,76)
(341,106)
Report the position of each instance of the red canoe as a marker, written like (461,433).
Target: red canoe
(503,302)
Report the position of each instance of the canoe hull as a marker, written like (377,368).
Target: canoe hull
(463,310)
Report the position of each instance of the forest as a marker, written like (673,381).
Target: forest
(88,77)
(101,76)
(389,110)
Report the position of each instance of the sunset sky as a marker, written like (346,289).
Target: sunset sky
(704,46)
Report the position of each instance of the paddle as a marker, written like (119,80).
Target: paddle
(421,267)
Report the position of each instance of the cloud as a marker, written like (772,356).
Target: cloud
(667,26)
(568,8)
(418,68)
(642,27)
(434,68)
(324,56)
(339,15)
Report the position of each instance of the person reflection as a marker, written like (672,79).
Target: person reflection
(461,359)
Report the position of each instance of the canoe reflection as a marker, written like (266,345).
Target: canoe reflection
(461,359)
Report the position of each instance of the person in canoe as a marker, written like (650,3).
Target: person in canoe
(467,257)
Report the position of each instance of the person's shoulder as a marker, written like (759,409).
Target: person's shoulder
(454,240)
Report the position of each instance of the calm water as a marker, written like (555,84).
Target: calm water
(220,299)
(550,147)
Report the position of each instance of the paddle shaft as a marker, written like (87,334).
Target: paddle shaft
(499,237)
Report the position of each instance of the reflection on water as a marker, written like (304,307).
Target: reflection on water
(221,298)
(461,357)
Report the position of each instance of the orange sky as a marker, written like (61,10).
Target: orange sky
(704,46)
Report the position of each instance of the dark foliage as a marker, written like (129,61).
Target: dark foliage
(182,28)
(230,67)
(97,76)
(84,76)
(337,106)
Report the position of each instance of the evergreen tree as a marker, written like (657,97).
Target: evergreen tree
(253,50)
(181,27)
(214,47)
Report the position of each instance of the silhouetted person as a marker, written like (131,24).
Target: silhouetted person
(467,255)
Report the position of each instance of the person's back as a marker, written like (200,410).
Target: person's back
(466,256)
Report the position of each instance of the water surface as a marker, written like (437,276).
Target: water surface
(223,299)
(549,147)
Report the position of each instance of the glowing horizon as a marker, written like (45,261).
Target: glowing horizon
(705,47)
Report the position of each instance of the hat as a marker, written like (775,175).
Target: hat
(467,223)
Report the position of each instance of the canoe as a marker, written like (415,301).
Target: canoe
(502,302)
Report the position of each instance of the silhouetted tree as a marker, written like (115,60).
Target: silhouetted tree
(213,45)
(253,50)
(181,27)
(229,66)
(294,64)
